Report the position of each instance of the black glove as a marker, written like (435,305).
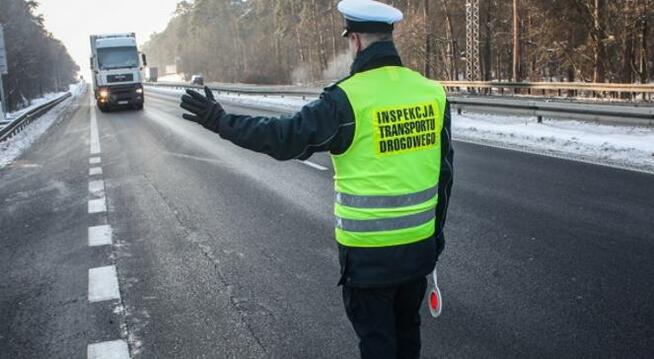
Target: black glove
(205,110)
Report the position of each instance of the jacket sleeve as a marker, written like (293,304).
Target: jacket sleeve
(317,127)
(446,177)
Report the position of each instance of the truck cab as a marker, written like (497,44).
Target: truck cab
(116,66)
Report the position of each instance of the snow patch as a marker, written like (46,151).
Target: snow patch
(622,146)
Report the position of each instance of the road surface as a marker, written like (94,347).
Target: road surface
(225,253)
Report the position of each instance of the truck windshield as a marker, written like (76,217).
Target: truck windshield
(117,57)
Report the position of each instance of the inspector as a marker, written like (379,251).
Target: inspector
(387,129)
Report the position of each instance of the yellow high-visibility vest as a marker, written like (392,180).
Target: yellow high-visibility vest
(386,182)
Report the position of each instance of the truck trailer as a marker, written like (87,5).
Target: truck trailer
(117,71)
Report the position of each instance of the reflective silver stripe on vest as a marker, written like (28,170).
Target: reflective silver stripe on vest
(406,200)
(385,224)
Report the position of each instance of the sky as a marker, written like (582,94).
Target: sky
(73,21)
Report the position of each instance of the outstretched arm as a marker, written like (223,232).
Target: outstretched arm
(315,128)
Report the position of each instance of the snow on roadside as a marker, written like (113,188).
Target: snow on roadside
(15,146)
(614,145)
(278,104)
(35,103)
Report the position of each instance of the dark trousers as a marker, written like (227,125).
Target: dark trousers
(386,320)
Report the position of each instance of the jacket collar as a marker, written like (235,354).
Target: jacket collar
(379,54)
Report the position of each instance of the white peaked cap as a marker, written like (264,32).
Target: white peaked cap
(369,11)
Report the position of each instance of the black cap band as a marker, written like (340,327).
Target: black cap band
(374,27)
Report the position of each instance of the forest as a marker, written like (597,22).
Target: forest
(38,63)
(298,41)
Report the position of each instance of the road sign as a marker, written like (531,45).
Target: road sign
(3,55)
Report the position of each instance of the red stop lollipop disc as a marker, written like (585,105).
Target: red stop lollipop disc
(435,300)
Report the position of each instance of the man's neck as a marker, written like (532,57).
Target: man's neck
(377,54)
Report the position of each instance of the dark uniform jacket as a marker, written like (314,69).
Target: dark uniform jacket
(327,124)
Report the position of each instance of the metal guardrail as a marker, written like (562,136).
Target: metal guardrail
(640,115)
(265,91)
(568,89)
(18,124)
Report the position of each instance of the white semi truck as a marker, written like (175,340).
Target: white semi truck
(117,71)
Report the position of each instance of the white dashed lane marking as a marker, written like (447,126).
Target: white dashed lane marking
(103,284)
(97,205)
(100,235)
(96,188)
(95,136)
(314,165)
(103,281)
(116,349)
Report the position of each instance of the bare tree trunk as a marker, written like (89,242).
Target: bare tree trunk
(276,33)
(644,70)
(516,43)
(321,50)
(487,42)
(599,16)
(628,55)
(650,12)
(451,43)
(531,73)
(498,67)
(571,78)
(333,31)
(298,38)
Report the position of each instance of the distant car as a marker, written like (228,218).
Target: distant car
(197,80)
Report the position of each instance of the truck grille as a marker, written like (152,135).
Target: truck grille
(120,78)
(123,92)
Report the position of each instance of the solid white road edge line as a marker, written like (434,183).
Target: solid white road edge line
(95,136)
(100,235)
(97,205)
(96,188)
(314,165)
(103,284)
(95,171)
(116,349)
(94,160)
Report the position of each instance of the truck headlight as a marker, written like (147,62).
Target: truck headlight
(104,93)
(139,90)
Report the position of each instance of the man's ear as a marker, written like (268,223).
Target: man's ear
(358,43)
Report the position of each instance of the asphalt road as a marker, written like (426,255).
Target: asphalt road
(224,253)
